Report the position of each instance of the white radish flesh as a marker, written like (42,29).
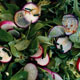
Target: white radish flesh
(66,44)
(34,10)
(43,61)
(56,76)
(7,25)
(5,57)
(22,19)
(38,54)
(70,23)
(32,71)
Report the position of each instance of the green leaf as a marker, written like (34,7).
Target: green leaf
(13,49)
(44,40)
(5,36)
(20,75)
(34,45)
(37,27)
(0,76)
(76,7)
(6,16)
(75,38)
(2,67)
(12,8)
(22,45)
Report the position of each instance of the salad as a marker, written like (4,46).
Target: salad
(39,40)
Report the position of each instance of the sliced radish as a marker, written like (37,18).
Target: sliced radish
(34,10)
(70,23)
(56,76)
(43,61)
(56,31)
(14,32)
(32,71)
(65,43)
(22,18)
(7,25)
(50,72)
(78,64)
(38,54)
(6,57)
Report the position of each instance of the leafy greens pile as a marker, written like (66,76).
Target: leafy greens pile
(22,48)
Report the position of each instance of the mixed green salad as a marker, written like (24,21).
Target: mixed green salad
(39,40)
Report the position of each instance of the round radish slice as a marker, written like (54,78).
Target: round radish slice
(32,71)
(34,10)
(78,65)
(70,23)
(38,54)
(65,43)
(7,25)
(56,31)
(14,32)
(43,61)
(22,18)
(5,56)
(56,76)
(50,72)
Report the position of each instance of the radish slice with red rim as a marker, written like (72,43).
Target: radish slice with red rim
(34,10)
(70,23)
(5,55)
(43,61)
(14,32)
(65,43)
(50,72)
(78,64)
(32,71)
(56,76)
(38,54)
(22,19)
(56,31)
(7,25)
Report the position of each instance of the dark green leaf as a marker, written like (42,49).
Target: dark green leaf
(5,36)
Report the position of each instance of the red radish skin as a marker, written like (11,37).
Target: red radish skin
(36,10)
(50,72)
(7,25)
(78,64)
(64,41)
(24,16)
(44,61)
(6,57)
(39,53)
(55,76)
(29,67)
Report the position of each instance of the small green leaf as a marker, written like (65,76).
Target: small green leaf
(44,40)
(13,49)
(22,45)
(37,27)
(5,36)
(20,75)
